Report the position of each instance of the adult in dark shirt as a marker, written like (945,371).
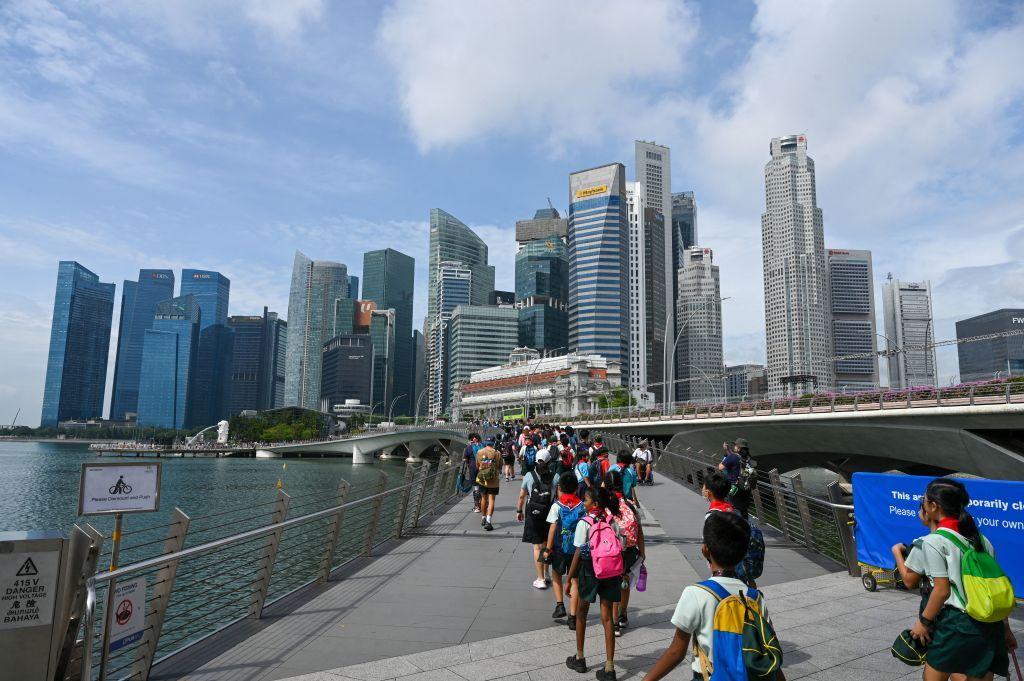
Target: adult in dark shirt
(469,468)
(731,462)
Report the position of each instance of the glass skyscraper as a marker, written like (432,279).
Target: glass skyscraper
(388,280)
(169,357)
(479,337)
(257,361)
(76,367)
(353,287)
(542,281)
(211,401)
(316,286)
(454,284)
(138,304)
(598,238)
(852,292)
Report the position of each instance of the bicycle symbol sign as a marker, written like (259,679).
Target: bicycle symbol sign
(120,487)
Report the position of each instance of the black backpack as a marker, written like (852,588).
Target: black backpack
(541,498)
(747,480)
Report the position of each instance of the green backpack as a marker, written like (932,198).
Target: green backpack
(988,593)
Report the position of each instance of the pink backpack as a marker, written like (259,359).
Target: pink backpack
(605,548)
(628,524)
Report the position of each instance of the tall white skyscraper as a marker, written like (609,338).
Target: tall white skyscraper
(796,297)
(909,330)
(654,186)
(699,310)
(647,296)
(852,290)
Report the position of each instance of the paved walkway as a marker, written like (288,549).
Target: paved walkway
(455,603)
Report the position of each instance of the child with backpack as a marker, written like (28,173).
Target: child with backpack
(488,477)
(563,517)
(964,623)
(537,493)
(628,520)
(624,463)
(716,491)
(706,615)
(582,470)
(598,562)
(528,455)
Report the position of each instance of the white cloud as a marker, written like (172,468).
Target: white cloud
(562,71)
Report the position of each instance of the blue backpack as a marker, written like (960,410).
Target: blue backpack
(530,455)
(752,565)
(568,518)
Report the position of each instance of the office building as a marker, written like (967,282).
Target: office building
(745,382)
(170,351)
(316,286)
(138,304)
(257,362)
(76,365)
(699,314)
(647,297)
(501,298)
(353,286)
(654,186)
(852,293)
(909,332)
(1000,357)
(347,372)
(684,225)
(388,281)
(563,385)
(419,346)
(211,400)
(542,282)
(453,288)
(382,337)
(480,336)
(797,310)
(598,243)
(454,244)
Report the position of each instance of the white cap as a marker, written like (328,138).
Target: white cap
(544,455)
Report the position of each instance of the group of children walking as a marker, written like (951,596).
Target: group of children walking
(581,514)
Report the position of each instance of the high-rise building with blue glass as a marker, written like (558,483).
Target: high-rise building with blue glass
(316,287)
(353,286)
(138,304)
(257,362)
(167,381)
(388,280)
(211,400)
(598,240)
(76,367)
(454,288)
(542,281)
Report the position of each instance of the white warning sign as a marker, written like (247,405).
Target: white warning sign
(28,588)
(129,613)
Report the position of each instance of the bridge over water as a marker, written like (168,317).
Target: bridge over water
(405,585)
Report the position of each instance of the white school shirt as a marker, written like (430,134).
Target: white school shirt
(642,455)
(695,613)
(942,558)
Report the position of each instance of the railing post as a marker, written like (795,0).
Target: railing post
(846,536)
(163,583)
(403,505)
(972,395)
(421,491)
(435,490)
(856,400)
(780,501)
(759,504)
(371,528)
(910,394)
(805,513)
(262,584)
(333,533)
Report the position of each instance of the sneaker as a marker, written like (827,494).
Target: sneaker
(602,675)
(559,611)
(488,527)
(483,521)
(539,584)
(476,510)
(576,664)
(618,630)
(623,622)
(571,621)
(547,581)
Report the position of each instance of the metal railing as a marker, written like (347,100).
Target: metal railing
(1011,392)
(194,592)
(820,525)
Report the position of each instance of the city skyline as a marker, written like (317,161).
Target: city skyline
(108,200)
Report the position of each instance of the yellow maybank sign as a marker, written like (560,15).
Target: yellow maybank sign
(591,191)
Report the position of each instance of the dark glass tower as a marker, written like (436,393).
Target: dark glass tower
(138,303)
(211,401)
(542,281)
(388,280)
(353,287)
(167,382)
(257,361)
(76,367)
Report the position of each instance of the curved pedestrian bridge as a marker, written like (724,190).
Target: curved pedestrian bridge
(454,602)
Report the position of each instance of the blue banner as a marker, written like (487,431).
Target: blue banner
(885,513)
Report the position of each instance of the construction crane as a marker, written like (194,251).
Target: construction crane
(16,415)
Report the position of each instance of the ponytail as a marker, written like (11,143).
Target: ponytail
(607,501)
(952,497)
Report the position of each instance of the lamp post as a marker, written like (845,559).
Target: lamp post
(707,378)
(416,418)
(391,410)
(526,411)
(669,365)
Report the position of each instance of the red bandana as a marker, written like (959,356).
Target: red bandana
(949,524)
(569,500)
(723,506)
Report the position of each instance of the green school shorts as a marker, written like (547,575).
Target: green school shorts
(962,645)
(592,588)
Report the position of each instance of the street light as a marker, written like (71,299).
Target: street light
(419,399)
(526,413)
(670,360)
(391,410)
(707,378)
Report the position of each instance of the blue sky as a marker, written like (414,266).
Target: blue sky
(225,134)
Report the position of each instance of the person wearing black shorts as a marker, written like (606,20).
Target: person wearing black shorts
(488,464)
(536,528)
